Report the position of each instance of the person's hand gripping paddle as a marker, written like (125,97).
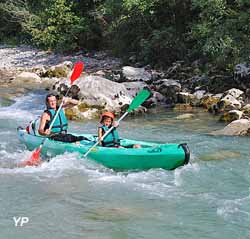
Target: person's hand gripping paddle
(35,157)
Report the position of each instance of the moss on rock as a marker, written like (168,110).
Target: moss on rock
(56,72)
(183,107)
(207,101)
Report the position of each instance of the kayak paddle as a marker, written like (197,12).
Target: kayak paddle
(35,157)
(137,101)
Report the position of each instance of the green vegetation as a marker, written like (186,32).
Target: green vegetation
(156,32)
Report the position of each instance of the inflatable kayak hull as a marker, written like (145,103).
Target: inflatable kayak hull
(150,155)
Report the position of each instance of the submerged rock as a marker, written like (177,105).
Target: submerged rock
(185,116)
(220,155)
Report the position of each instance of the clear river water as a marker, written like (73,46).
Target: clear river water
(68,198)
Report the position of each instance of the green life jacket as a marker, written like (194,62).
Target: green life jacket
(61,122)
(112,139)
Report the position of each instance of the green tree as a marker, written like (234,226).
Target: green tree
(154,30)
(57,27)
(13,13)
(221,31)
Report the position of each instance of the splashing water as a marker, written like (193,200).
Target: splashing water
(208,198)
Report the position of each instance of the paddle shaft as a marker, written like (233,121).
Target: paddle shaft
(118,121)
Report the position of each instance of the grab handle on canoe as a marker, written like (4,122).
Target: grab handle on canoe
(186,151)
(156,149)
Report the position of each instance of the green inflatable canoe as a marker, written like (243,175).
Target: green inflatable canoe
(150,155)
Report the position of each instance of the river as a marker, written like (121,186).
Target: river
(68,198)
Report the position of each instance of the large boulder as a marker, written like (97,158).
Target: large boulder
(231,115)
(236,93)
(242,69)
(239,127)
(187,98)
(228,103)
(246,109)
(102,92)
(134,87)
(7,76)
(97,92)
(242,75)
(29,80)
(230,100)
(80,112)
(208,101)
(168,88)
(199,94)
(60,70)
(130,73)
(155,100)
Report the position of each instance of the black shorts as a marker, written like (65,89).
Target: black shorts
(69,138)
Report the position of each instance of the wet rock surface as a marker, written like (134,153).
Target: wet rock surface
(106,84)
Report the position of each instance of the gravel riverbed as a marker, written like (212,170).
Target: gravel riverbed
(28,57)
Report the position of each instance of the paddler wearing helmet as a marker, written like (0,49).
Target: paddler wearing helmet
(112,139)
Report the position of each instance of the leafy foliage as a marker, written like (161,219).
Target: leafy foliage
(157,32)
(56,27)
(12,15)
(221,31)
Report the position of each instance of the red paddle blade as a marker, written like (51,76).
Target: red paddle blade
(34,160)
(78,68)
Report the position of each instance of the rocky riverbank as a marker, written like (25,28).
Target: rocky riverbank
(108,85)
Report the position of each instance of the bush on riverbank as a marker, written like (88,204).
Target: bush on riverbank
(153,32)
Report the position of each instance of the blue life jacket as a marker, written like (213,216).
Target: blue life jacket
(112,139)
(61,122)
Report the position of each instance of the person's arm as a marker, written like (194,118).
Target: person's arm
(44,118)
(115,124)
(100,136)
(69,102)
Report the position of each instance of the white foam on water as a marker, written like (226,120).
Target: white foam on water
(23,108)
(11,160)
(54,168)
(179,173)
(235,211)
(129,176)
(156,182)
(3,145)
(4,133)
(16,114)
